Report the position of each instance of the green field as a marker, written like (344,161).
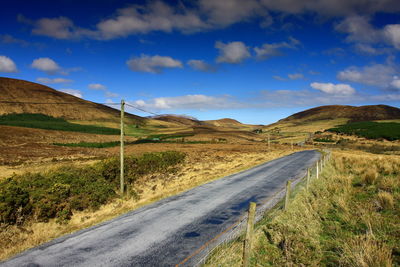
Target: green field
(371,130)
(42,121)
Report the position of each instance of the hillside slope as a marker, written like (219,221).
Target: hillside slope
(14,90)
(362,113)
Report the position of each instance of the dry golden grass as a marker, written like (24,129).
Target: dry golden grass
(385,200)
(364,251)
(340,221)
(203,164)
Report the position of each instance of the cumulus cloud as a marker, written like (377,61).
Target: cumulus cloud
(374,75)
(233,52)
(73,92)
(296,76)
(328,8)
(200,65)
(334,89)
(97,86)
(274,49)
(227,12)
(200,15)
(189,102)
(360,30)
(392,34)
(9,39)
(153,64)
(395,84)
(7,64)
(55,80)
(46,64)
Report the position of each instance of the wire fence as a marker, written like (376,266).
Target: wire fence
(200,256)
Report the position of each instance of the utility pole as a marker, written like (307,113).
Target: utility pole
(122,182)
(269,142)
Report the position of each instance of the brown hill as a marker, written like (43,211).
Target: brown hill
(226,122)
(362,113)
(181,120)
(14,90)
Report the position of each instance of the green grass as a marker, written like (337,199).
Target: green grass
(89,144)
(371,130)
(58,193)
(41,121)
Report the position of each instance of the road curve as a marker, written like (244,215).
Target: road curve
(166,232)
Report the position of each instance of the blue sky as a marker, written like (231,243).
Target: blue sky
(256,61)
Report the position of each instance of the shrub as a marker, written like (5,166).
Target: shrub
(56,194)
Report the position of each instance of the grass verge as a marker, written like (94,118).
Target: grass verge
(349,217)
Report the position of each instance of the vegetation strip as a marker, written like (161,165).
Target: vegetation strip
(349,217)
(56,194)
(369,129)
(41,121)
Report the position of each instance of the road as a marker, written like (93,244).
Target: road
(166,232)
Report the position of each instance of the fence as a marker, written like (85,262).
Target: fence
(200,256)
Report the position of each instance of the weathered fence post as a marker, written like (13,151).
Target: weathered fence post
(308,178)
(249,235)
(287,196)
(269,142)
(317,175)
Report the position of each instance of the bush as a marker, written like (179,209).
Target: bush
(58,193)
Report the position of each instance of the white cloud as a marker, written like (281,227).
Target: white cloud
(295,76)
(328,8)
(279,78)
(272,50)
(46,64)
(97,86)
(395,84)
(233,52)
(334,89)
(200,65)
(153,64)
(375,75)
(189,102)
(392,34)
(9,39)
(73,92)
(7,64)
(55,80)
(111,94)
(156,16)
(359,29)
(227,12)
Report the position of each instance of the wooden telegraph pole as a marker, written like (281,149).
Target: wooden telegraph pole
(122,182)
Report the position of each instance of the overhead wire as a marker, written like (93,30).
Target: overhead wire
(75,103)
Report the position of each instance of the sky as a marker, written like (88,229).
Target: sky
(256,61)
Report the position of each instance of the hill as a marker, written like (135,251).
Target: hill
(362,113)
(14,90)
(298,126)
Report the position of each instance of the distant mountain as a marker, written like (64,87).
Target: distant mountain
(75,108)
(362,113)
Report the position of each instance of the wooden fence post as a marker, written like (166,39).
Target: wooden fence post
(287,196)
(317,170)
(249,235)
(308,178)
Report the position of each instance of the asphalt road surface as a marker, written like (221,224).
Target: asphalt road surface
(166,232)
